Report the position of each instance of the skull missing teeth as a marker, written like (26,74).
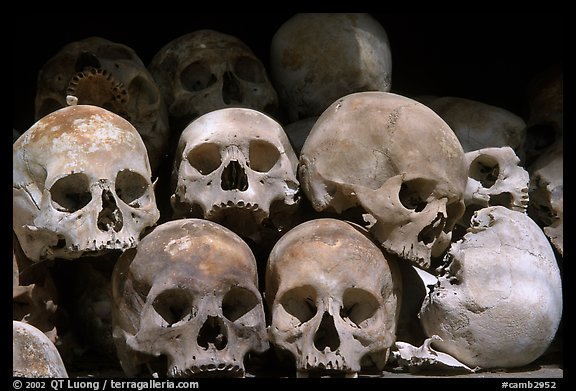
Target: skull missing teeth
(236,167)
(334,299)
(398,161)
(186,302)
(81,185)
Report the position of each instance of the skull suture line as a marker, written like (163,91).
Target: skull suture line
(396,159)
(103,73)
(334,298)
(236,167)
(81,185)
(188,294)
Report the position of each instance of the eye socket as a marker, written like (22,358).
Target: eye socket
(248,69)
(414,193)
(238,302)
(174,305)
(263,155)
(300,302)
(205,158)
(196,77)
(132,188)
(142,92)
(358,306)
(484,169)
(71,193)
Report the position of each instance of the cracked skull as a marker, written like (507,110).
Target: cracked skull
(208,70)
(186,302)
(236,167)
(81,185)
(498,299)
(334,299)
(108,74)
(398,161)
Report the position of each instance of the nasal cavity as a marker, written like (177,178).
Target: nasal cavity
(326,335)
(110,216)
(212,332)
(234,177)
(231,92)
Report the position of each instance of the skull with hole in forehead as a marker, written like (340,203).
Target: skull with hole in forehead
(236,167)
(81,185)
(334,298)
(186,302)
(208,70)
(397,160)
(108,74)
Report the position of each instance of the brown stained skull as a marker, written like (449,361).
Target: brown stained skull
(81,185)
(398,161)
(236,167)
(316,58)
(334,299)
(186,302)
(111,75)
(207,70)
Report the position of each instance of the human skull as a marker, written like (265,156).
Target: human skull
(480,125)
(318,58)
(33,354)
(235,166)
(334,298)
(547,194)
(498,300)
(188,295)
(108,74)
(207,70)
(81,185)
(397,160)
(546,117)
(496,178)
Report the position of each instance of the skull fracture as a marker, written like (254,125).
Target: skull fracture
(81,185)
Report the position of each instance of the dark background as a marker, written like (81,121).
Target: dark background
(490,57)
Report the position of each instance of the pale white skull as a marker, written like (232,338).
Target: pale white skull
(208,70)
(81,185)
(394,158)
(33,354)
(186,302)
(108,74)
(496,178)
(547,194)
(235,166)
(498,300)
(334,299)
(298,131)
(480,125)
(317,58)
